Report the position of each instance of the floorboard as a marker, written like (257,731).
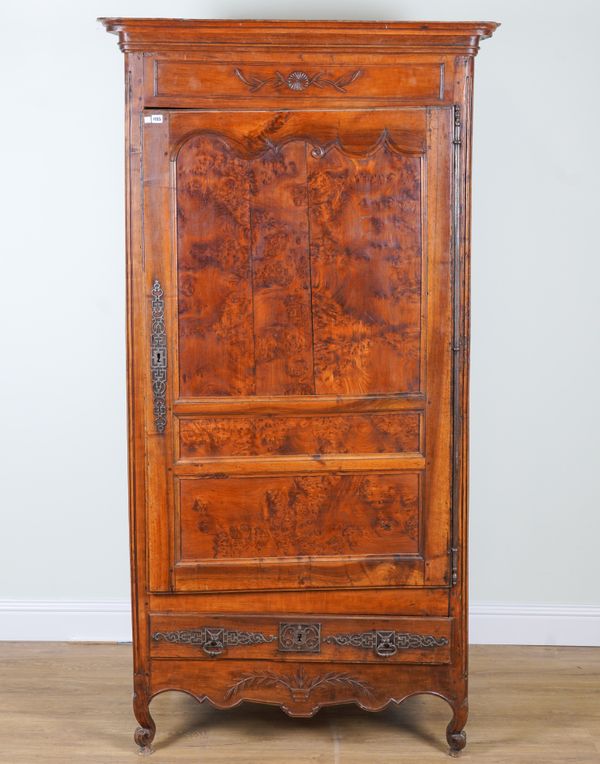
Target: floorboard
(71,702)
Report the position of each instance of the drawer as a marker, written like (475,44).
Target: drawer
(356,639)
(173,82)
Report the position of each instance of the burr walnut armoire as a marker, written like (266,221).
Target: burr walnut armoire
(298,209)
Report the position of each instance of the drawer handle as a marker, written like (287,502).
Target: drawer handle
(387,643)
(298,80)
(213,641)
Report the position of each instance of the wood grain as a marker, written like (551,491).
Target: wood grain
(294,516)
(179,82)
(405,601)
(281,273)
(216,340)
(365,221)
(246,231)
(270,435)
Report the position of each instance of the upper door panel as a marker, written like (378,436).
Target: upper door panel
(302,261)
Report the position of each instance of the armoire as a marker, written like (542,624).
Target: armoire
(297,234)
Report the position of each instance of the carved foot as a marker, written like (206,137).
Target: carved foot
(457,741)
(144,734)
(455,734)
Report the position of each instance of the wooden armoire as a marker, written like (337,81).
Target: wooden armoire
(298,210)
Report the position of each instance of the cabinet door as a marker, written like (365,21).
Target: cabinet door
(298,273)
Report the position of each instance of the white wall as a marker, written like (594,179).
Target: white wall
(535,520)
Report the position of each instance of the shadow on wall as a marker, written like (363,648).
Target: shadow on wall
(347,10)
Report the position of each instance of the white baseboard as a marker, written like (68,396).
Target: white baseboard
(489,624)
(30,620)
(506,624)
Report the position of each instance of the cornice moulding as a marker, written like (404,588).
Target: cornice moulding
(153,35)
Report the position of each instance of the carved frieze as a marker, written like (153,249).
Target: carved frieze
(298,80)
(299,685)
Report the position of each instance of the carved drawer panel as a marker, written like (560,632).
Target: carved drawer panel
(362,639)
(184,82)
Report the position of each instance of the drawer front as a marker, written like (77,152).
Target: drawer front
(187,82)
(362,639)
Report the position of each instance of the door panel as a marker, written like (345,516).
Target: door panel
(365,223)
(283,311)
(309,340)
(289,516)
(280,435)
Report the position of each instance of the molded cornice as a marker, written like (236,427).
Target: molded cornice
(150,35)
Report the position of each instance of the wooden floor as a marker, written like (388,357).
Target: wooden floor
(71,703)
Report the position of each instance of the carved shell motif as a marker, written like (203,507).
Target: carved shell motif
(298,81)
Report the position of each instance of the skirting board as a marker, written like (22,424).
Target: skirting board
(489,624)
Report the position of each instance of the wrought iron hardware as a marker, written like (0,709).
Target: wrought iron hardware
(386,643)
(458,340)
(300,637)
(158,358)
(213,641)
(454,565)
(457,137)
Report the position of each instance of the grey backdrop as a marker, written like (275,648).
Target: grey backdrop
(535,502)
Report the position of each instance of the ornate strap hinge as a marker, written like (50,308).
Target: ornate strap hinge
(213,641)
(158,358)
(387,643)
(457,138)
(454,565)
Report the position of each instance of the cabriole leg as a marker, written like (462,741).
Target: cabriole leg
(144,734)
(455,734)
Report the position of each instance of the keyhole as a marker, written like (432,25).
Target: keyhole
(158,357)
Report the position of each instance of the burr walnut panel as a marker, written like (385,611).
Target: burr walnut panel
(298,516)
(216,342)
(366,291)
(281,435)
(299,269)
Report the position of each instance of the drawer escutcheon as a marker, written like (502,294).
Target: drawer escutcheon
(300,637)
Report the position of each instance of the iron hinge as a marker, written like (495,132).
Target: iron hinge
(454,565)
(457,139)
